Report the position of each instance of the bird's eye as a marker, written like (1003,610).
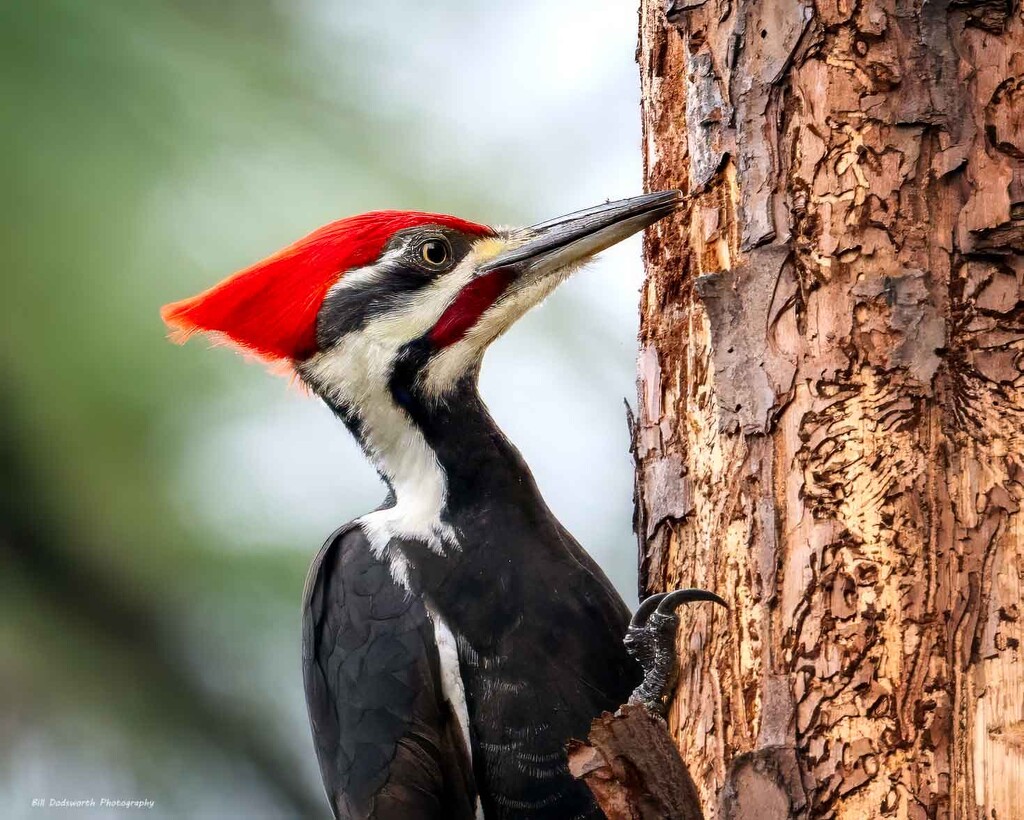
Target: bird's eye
(435,252)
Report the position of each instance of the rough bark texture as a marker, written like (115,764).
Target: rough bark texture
(831,422)
(633,769)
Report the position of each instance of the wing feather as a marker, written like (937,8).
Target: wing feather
(386,738)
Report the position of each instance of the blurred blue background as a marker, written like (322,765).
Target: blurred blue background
(160,505)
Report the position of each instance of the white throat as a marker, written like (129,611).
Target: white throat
(354,372)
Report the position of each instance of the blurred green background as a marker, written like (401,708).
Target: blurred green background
(160,505)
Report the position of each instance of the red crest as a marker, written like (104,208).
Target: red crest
(270,308)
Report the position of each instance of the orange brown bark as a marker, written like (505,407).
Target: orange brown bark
(831,422)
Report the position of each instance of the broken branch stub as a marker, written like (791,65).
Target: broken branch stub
(633,768)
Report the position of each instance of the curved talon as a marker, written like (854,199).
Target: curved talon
(651,640)
(673,600)
(645,609)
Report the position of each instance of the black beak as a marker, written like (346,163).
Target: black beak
(554,244)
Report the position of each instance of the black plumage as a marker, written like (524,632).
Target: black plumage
(388,743)
(539,633)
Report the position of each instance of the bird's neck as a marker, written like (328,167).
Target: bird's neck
(441,460)
(480,465)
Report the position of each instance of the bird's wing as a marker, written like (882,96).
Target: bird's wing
(388,742)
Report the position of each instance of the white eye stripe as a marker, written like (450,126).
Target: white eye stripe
(422,309)
(367,276)
(361,277)
(416,312)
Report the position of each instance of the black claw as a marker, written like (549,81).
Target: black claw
(651,640)
(671,601)
(645,609)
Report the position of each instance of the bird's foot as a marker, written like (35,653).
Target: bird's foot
(651,639)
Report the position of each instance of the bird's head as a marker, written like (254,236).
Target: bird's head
(398,302)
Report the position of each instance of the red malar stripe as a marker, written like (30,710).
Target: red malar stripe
(471,303)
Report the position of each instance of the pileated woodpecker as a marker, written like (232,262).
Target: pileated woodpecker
(455,638)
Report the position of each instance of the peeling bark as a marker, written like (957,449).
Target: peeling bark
(633,769)
(831,423)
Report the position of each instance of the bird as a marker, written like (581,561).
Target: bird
(457,637)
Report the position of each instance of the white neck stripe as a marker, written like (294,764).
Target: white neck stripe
(354,374)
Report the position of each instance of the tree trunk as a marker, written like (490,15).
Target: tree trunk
(831,379)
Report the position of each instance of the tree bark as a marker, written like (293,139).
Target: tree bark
(831,423)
